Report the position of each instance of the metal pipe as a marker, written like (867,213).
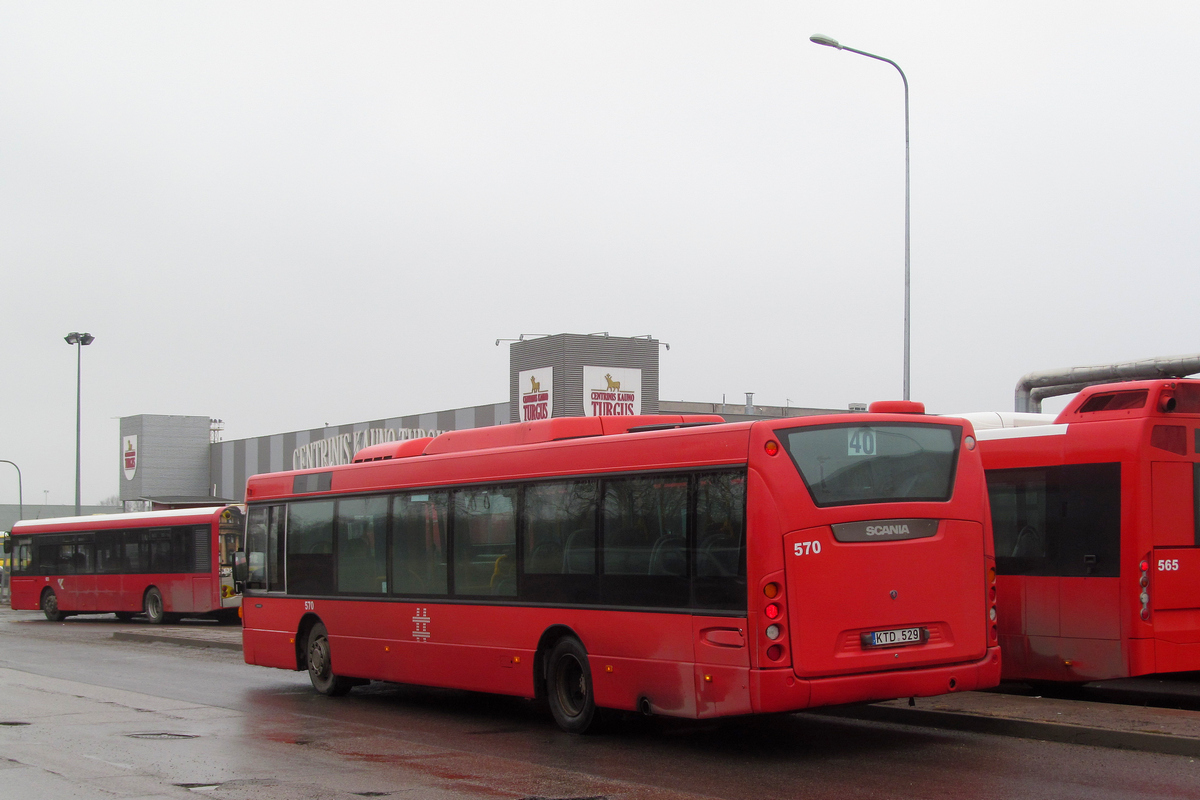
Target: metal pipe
(1035,386)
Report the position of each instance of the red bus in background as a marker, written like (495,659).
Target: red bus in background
(164,564)
(674,565)
(1096,534)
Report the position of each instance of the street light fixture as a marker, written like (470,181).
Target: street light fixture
(79,340)
(828,42)
(20,491)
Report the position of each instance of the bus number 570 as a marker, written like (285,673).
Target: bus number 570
(807,548)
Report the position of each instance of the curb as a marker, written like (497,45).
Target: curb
(124,636)
(1025,729)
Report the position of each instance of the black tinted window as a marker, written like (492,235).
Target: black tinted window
(1062,521)
(849,464)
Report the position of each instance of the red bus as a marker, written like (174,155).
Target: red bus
(164,564)
(1096,534)
(672,565)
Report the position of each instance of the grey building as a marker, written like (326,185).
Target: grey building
(169,461)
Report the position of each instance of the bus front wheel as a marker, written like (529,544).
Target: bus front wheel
(154,607)
(569,686)
(320,664)
(50,606)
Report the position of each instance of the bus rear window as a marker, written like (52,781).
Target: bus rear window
(857,464)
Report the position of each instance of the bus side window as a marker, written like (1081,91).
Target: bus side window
(362,545)
(310,547)
(719,580)
(560,528)
(485,541)
(419,545)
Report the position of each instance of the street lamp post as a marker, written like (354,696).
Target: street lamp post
(20,492)
(79,340)
(828,42)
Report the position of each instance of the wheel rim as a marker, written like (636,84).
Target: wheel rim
(318,657)
(154,605)
(571,685)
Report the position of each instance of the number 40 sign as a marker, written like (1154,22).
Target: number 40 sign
(860,442)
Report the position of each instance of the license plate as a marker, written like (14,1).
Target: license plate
(899,637)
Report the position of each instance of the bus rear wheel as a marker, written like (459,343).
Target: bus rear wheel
(569,686)
(154,607)
(50,606)
(320,664)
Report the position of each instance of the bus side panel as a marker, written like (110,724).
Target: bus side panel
(632,655)
(108,593)
(25,593)
(1090,608)
(133,593)
(75,592)
(722,670)
(202,595)
(269,632)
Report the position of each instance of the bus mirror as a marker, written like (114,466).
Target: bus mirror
(4,545)
(240,569)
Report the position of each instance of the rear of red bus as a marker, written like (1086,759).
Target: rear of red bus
(1097,535)
(871,570)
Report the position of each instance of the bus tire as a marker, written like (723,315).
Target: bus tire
(154,607)
(318,656)
(569,686)
(50,606)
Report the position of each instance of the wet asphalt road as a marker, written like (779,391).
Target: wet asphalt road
(263,733)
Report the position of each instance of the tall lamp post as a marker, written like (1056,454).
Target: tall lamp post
(828,42)
(79,340)
(20,492)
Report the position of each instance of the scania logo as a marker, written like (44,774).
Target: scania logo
(878,530)
(887,530)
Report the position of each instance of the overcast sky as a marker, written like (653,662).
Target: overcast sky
(285,215)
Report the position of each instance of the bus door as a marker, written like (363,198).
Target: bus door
(1174,564)
(71,565)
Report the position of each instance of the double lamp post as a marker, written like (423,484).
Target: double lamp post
(79,340)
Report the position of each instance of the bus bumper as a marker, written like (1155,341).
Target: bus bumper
(781,690)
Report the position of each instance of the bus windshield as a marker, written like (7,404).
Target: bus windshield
(857,464)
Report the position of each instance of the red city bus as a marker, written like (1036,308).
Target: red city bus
(165,564)
(674,565)
(1096,534)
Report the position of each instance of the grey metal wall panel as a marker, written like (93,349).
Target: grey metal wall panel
(239,467)
(172,456)
(464,419)
(227,478)
(276,463)
(569,353)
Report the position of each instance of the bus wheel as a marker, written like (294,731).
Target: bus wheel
(569,686)
(154,607)
(320,664)
(50,606)
(124,616)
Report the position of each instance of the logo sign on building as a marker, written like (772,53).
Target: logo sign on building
(129,455)
(535,387)
(340,449)
(612,391)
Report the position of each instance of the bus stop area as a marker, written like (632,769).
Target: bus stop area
(1127,714)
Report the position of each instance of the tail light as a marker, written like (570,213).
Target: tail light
(1144,586)
(992,614)
(773,630)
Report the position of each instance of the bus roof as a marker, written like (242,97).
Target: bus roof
(114,520)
